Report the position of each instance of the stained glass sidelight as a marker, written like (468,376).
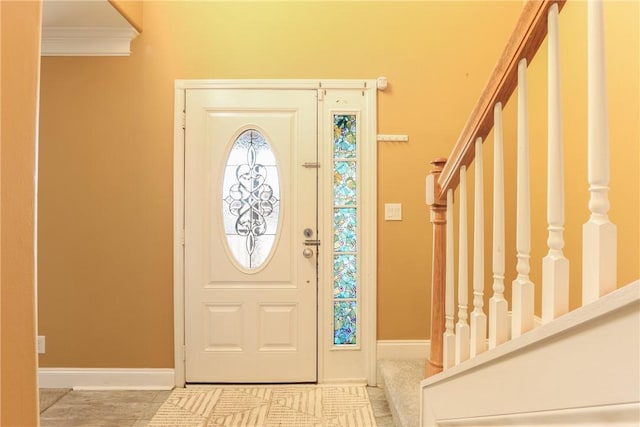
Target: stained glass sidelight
(344,325)
(344,279)
(344,190)
(251,196)
(344,136)
(345,229)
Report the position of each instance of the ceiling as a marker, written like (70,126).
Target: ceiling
(81,13)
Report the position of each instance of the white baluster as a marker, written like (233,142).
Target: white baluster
(462,327)
(599,235)
(498,320)
(555,267)
(449,337)
(478,318)
(522,287)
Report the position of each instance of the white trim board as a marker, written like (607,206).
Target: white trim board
(417,349)
(276,84)
(106,378)
(571,348)
(403,349)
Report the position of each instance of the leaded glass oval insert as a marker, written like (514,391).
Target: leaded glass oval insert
(251,199)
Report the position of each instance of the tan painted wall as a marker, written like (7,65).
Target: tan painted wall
(105,258)
(0,213)
(20,73)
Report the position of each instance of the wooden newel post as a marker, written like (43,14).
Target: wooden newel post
(439,220)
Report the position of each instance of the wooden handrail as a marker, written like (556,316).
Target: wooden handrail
(525,40)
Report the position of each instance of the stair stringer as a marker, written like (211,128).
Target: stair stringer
(581,369)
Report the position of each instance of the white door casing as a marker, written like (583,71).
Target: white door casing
(334,363)
(247,324)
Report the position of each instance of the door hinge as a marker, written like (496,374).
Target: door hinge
(182,237)
(183,118)
(321,93)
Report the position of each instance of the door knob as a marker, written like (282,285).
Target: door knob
(307,252)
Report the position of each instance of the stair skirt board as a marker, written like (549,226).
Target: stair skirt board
(106,378)
(587,358)
(622,415)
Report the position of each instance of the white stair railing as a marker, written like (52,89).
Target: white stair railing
(522,287)
(498,320)
(469,339)
(462,327)
(478,317)
(449,338)
(599,235)
(555,267)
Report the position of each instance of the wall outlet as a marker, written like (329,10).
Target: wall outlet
(40,344)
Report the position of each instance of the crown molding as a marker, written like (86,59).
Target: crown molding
(87,41)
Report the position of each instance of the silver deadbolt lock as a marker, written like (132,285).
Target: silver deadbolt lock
(308,233)
(307,252)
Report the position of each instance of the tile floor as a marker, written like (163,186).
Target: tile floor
(67,408)
(380,407)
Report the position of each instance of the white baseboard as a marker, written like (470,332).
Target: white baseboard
(418,349)
(403,349)
(331,381)
(106,378)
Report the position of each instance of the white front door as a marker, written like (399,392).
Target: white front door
(250,221)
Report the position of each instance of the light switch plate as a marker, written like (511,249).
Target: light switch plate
(393,212)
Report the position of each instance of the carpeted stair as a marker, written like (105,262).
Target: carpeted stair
(401,382)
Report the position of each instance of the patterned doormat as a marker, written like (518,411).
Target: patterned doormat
(257,406)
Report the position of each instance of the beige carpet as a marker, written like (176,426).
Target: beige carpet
(253,406)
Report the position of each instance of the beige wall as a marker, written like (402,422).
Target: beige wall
(19,87)
(105,203)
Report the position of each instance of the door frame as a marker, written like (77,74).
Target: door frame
(368,225)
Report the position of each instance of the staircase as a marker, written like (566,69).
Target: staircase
(400,380)
(558,374)
(494,366)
